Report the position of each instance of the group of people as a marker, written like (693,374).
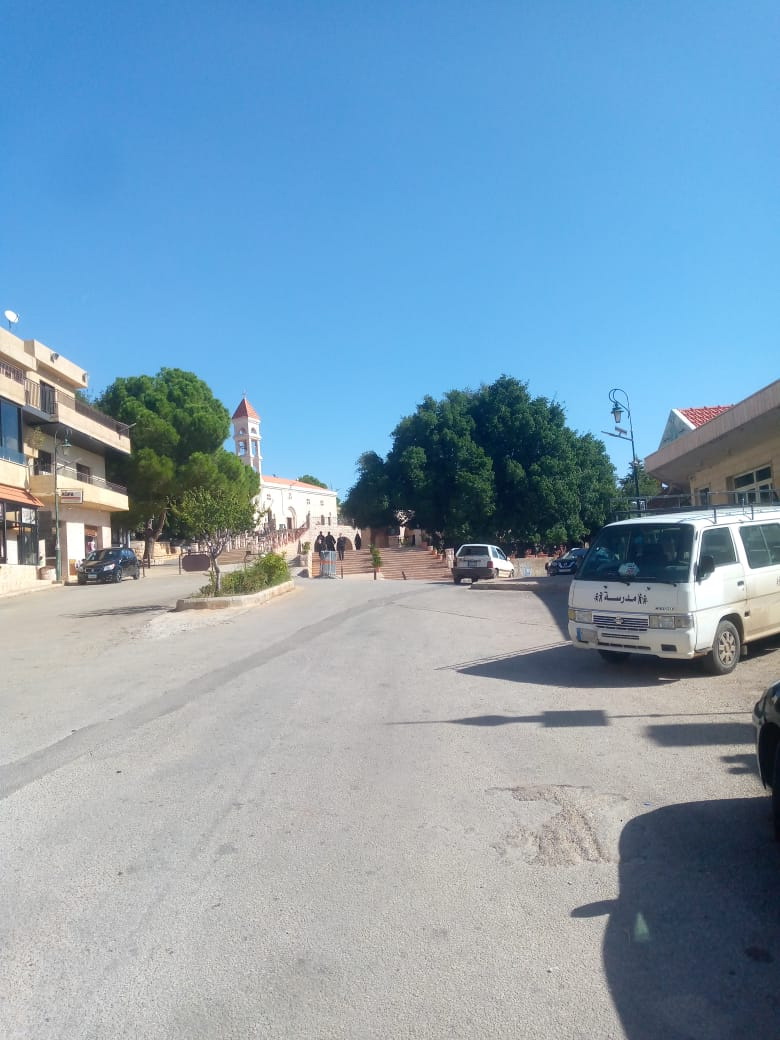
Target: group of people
(327,543)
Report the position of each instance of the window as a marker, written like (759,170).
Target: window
(43,464)
(718,544)
(755,486)
(11,432)
(762,545)
(83,472)
(21,521)
(242,447)
(703,496)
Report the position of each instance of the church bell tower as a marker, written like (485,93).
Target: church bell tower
(246,435)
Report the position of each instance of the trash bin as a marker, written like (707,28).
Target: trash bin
(328,564)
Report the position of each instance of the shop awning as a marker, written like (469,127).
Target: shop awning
(15,494)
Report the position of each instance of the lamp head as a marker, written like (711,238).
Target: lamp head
(617,414)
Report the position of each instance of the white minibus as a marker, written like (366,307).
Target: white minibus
(681,585)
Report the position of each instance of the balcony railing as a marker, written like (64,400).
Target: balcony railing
(12,373)
(47,399)
(43,468)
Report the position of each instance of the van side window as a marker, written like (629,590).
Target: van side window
(762,545)
(717,543)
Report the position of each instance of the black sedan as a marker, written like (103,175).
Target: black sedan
(568,563)
(766,719)
(108,565)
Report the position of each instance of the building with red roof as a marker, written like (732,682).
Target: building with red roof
(282,502)
(726,454)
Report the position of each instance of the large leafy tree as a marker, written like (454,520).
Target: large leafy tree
(178,429)
(369,500)
(495,464)
(307,478)
(439,471)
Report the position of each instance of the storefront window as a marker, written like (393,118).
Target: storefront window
(21,524)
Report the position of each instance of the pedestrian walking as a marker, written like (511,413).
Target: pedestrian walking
(330,542)
(341,545)
(358,540)
(319,544)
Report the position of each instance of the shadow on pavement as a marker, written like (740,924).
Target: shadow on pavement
(147,608)
(692,945)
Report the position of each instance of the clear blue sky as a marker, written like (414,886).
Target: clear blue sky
(340,207)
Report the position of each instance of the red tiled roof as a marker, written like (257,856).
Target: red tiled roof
(699,416)
(245,411)
(294,483)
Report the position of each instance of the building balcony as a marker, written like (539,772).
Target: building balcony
(43,404)
(96,492)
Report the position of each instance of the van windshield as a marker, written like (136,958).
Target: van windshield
(640,552)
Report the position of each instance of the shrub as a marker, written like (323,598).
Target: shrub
(264,573)
(376,558)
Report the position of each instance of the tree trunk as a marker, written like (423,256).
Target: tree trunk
(151,534)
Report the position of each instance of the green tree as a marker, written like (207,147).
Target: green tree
(213,516)
(307,478)
(649,488)
(178,429)
(368,501)
(438,471)
(493,464)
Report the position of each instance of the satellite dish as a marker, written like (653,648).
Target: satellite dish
(11,317)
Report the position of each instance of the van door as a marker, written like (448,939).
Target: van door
(724,591)
(761,543)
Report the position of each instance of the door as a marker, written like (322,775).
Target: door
(722,592)
(761,543)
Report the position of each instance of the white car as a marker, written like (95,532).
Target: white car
(475,561)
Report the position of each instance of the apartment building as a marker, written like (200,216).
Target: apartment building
(55,501)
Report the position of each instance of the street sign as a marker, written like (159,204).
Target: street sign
(68,495)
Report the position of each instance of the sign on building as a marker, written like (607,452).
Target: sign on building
(68,495)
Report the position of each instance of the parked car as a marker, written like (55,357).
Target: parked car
(766,719)
(108,565)
(568,563)
(481,561)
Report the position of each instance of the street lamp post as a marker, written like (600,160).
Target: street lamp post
(617,414)
(65,445)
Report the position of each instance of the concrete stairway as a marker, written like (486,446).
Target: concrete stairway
(415,563)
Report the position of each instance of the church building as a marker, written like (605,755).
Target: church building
(285,502)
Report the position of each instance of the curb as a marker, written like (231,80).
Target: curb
(521,585)
(222,602)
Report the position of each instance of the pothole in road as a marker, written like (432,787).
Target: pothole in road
(559,826)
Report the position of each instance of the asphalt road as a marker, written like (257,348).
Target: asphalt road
(373,810)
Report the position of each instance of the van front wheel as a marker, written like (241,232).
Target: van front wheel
(725,652)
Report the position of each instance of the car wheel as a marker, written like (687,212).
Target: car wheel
(118,575)
(137,574)
(724,655)
(457,580)
(776,793)
(82,581)
(615,656)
